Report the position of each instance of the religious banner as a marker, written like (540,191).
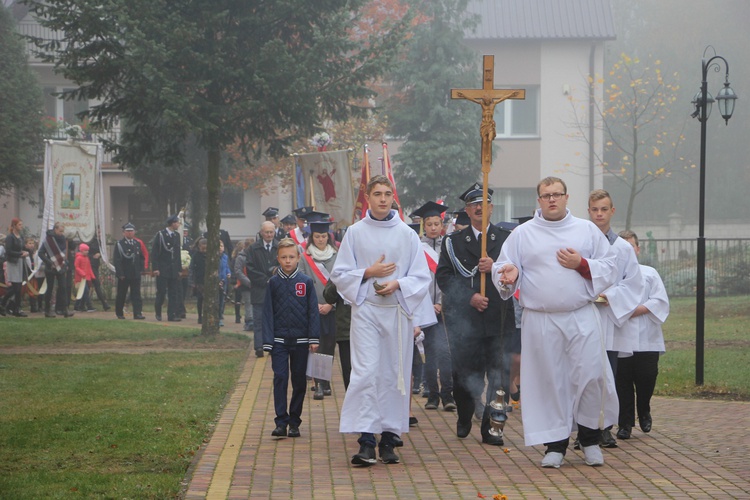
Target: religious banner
(72,188)
(328,183)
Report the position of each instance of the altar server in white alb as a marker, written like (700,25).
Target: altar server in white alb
(561,264)
(618,301)
(382,271)
(636,375)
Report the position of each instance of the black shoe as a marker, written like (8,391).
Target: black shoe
(645,422)
(387,455)
(175,319)
(48,314)
(279,431)
(463,430)
(158,317)
(624,432)
(432,403)
(449,404)
(106,307)
(238,320)
(139,316)
(318,392)
(366,455)
(120,317)
(68,314)
(20,314)
(576,444)
(492,440)
(293,431)
(327,389)
(606,440)
(413,421)
(516,396)
(397,442)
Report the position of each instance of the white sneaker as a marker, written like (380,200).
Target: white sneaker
(553,459)
(593,455)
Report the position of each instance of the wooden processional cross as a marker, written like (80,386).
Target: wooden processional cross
(487,97)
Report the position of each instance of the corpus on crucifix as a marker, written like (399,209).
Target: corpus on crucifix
(488,97)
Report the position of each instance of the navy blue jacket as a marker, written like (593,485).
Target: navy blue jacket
(290,310)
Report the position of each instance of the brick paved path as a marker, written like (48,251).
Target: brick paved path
(697,449)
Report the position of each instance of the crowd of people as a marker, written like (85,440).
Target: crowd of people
(454,308)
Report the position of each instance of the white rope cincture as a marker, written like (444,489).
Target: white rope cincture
(401,384)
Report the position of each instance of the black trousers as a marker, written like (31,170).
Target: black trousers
(437,361)
(62,297)
(134,285)
(472,359)
(635,382)
(586,436)
(286,361)
(167,287)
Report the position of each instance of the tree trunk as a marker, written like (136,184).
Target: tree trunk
(213,222)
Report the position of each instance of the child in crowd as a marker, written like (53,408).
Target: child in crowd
(198,273)
(32,284)
(291,326)
(234,280)
(83,273)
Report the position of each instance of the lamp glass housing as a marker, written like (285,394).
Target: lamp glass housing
(726,100)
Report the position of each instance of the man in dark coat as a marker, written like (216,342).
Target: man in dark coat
(166,263)
(129,263)
(260,264)
(475,324)
(53,251)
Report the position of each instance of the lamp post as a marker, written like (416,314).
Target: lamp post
(703,102)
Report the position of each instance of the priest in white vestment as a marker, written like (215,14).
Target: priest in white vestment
(561,264)
(382,271)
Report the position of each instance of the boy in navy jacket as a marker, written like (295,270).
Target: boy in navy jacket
(291,327)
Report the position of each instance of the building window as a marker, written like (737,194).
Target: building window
(232,203)
(516,118)
(60,109)
(513,202)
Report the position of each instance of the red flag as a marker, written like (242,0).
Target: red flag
(389,174)
(360,207)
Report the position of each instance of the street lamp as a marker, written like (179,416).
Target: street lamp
(703,100)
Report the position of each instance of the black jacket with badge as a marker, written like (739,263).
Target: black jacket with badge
(165,254)
(128,259)
(459,256)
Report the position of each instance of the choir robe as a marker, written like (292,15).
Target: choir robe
(622,299)
(567,379)
(650,336)
(382,340)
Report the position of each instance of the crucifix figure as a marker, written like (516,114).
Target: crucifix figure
(488,97)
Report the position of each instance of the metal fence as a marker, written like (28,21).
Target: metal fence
(727,265)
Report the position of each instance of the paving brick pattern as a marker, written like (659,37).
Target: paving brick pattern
(697,449)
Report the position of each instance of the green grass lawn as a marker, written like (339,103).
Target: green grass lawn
(108,425)
(727,350)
